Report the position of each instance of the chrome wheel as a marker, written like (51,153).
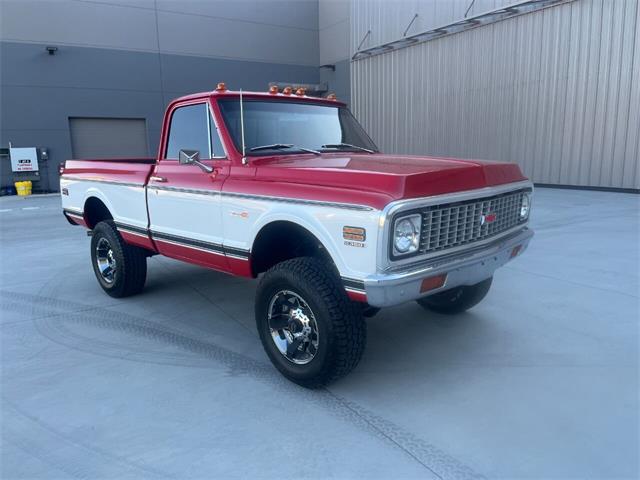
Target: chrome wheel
(293,327)
(105,260)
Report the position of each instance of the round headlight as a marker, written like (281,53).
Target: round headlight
(525,207)
(406,237)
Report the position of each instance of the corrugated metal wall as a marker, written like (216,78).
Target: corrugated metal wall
(557,91)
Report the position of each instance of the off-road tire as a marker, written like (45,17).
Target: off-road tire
(131,262)
(458,299)
(341,328)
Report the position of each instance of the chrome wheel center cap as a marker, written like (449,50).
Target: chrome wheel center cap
(297,315)
(293,327)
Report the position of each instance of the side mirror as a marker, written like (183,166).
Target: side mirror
(192,157)
(189,156)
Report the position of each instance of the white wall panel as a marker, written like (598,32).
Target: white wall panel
(557,91)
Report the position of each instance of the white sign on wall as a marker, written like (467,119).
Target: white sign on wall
(24,159)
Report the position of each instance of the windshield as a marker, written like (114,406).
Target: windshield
(292,127)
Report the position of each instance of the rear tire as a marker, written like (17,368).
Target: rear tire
(305,295)
(458,299)
(121,269)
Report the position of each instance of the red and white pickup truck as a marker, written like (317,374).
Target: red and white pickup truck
(291,188)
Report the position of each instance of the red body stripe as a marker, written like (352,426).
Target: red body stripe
(137,240)
(77,220)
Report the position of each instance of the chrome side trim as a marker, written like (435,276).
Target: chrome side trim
(194,191)
(201,245)
(237,257)
(130,232)
(348,206)
(353,285)
(132,229)
(355,290)
(73,215)
(301,201)
(101,180)
(73,211)
(186,245)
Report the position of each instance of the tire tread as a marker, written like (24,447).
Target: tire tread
(134,273)
(348,326)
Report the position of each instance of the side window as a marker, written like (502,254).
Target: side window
(216,144)
(188,131)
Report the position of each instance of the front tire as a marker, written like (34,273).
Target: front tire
(311,331)
(121,269)
(458,299)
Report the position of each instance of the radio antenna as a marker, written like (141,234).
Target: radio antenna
(244,156)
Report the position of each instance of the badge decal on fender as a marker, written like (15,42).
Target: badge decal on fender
(354,236)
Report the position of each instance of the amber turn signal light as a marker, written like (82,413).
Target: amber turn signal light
(356,234)
(516,251)
(221,87)
(431,283)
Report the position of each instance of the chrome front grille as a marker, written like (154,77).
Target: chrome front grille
(451,225)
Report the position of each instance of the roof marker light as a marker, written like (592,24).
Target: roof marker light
(332,96)
(221,87)
(273,89)
(300,91)
(287,90)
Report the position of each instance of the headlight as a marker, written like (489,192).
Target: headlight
(406,234)
(525,206)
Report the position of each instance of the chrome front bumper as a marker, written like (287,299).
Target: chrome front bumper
(465,268)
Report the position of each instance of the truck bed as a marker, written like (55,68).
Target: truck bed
(118,183)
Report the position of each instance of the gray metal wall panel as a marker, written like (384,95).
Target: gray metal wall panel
(271,31)
(38,92)
(108,137)
(556,91)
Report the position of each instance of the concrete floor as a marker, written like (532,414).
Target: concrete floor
(539,381)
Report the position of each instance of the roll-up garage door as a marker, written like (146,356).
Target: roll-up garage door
(108,137)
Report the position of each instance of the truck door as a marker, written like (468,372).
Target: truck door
(184,199)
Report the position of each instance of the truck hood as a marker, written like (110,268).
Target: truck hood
(392,176)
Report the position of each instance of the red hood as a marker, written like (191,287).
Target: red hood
(391,177)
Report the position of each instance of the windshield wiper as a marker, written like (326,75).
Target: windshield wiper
(282,146)
(347,145)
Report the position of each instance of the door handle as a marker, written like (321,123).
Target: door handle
(153,178)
